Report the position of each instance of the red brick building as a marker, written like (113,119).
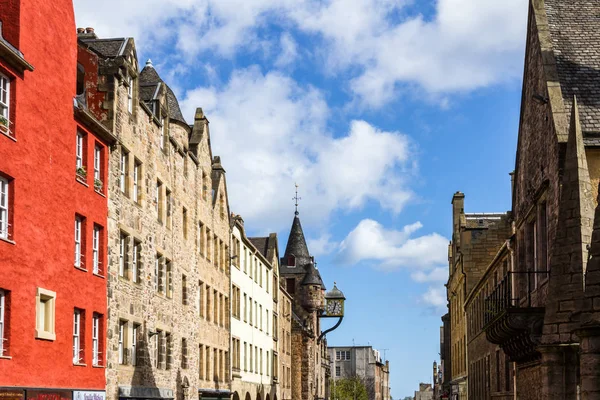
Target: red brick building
(53,210)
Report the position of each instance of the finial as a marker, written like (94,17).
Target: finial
(296,198)
(149,63)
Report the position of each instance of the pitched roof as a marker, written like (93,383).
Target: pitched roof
(261,244)
(110,48)
(148,81)
(575,32)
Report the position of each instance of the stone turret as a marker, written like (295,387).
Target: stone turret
(313,289)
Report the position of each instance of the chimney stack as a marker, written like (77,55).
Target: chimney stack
(86,33)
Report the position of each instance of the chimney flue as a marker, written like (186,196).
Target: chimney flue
(80,30)
(89,30)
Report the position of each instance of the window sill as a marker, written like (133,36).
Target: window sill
(8,135)
(8,241)
(98,366)
(79,365)
(43,335)
(100,193)
(99,276)
(5,358)
(81,180)
(81,269)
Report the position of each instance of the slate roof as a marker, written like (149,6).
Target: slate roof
(312,277)
(110,48)
(296,246)
(575,31)
(261,244)
(148,81)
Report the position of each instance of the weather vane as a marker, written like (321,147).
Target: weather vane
(296,198)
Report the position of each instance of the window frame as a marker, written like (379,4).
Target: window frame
(45,313)
(96,249)
(124,172)
(79,241)
(96,326)
(78,319)
(3,322)
(5,209)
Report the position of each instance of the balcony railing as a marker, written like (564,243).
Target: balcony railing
(515,290)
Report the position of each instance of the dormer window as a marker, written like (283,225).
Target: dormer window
(291,261)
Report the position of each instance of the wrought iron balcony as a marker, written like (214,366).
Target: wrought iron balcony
(514,314)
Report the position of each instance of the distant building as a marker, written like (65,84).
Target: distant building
(363,362)
(425,392)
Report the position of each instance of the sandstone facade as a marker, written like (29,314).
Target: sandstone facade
(168,237)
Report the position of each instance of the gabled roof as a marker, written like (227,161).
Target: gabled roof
(261,244)
(109,48)
(574,27)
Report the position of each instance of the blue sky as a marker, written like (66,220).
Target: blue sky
(380,110)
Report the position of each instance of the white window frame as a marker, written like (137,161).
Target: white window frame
(4,210)
(45,313)
(130,94)
(5,97)
(134,262)
(2,321)
(136,167)
(134,337)
(163,133)
(79,151)
(123,171)
(76,336)
(78,252)
(97,158)
(95,339)
(122,253)
(96,249)
(122,332)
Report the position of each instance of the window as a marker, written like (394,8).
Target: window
(159,349)
(260,314)
(123,254)
(184,355)
(184,295)
(79,154)
(245,307)
(159,200)
(159,274)
(79,227)
(204,185)
(216,306)
(122,342)
(208,304)
(135,337)
(169,208)
(3,322)
(201,362)
(216,364)
(275,365)
(290,285)
(245,356)
(169,350)
(201,238)
(77,338)
(251,358)
(208,239)
(136,262)
(137,181)
(124,172)
(45,300)
(169,277)
(97,167)
(96,326)
(163,133)
(96,255)
(207,354)
(4,208)
(185,223)
(222,205)
(338,370)
(200,299)
(130,94)
(4,101)
(250,316)
(342,355)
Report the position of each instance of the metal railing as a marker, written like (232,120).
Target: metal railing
(513,291)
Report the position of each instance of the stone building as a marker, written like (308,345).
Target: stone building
(475,241)
(425,392)
(365,363)
(301,279)
(168,236)
(490,371)
(284,344)
(254,323)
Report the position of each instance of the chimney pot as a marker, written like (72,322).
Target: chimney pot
(89,30)
(80,30)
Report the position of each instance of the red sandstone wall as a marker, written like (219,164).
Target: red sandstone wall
(46,198)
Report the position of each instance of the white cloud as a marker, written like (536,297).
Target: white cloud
(465,45)
(271,133)
(434,297)
(438,274)
(289,50)
(322,245)
(392,249)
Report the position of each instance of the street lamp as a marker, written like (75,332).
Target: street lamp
(334,308)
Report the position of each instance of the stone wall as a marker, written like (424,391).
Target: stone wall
(171,230)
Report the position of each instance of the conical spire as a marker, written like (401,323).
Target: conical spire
(573,235)
(296,244)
